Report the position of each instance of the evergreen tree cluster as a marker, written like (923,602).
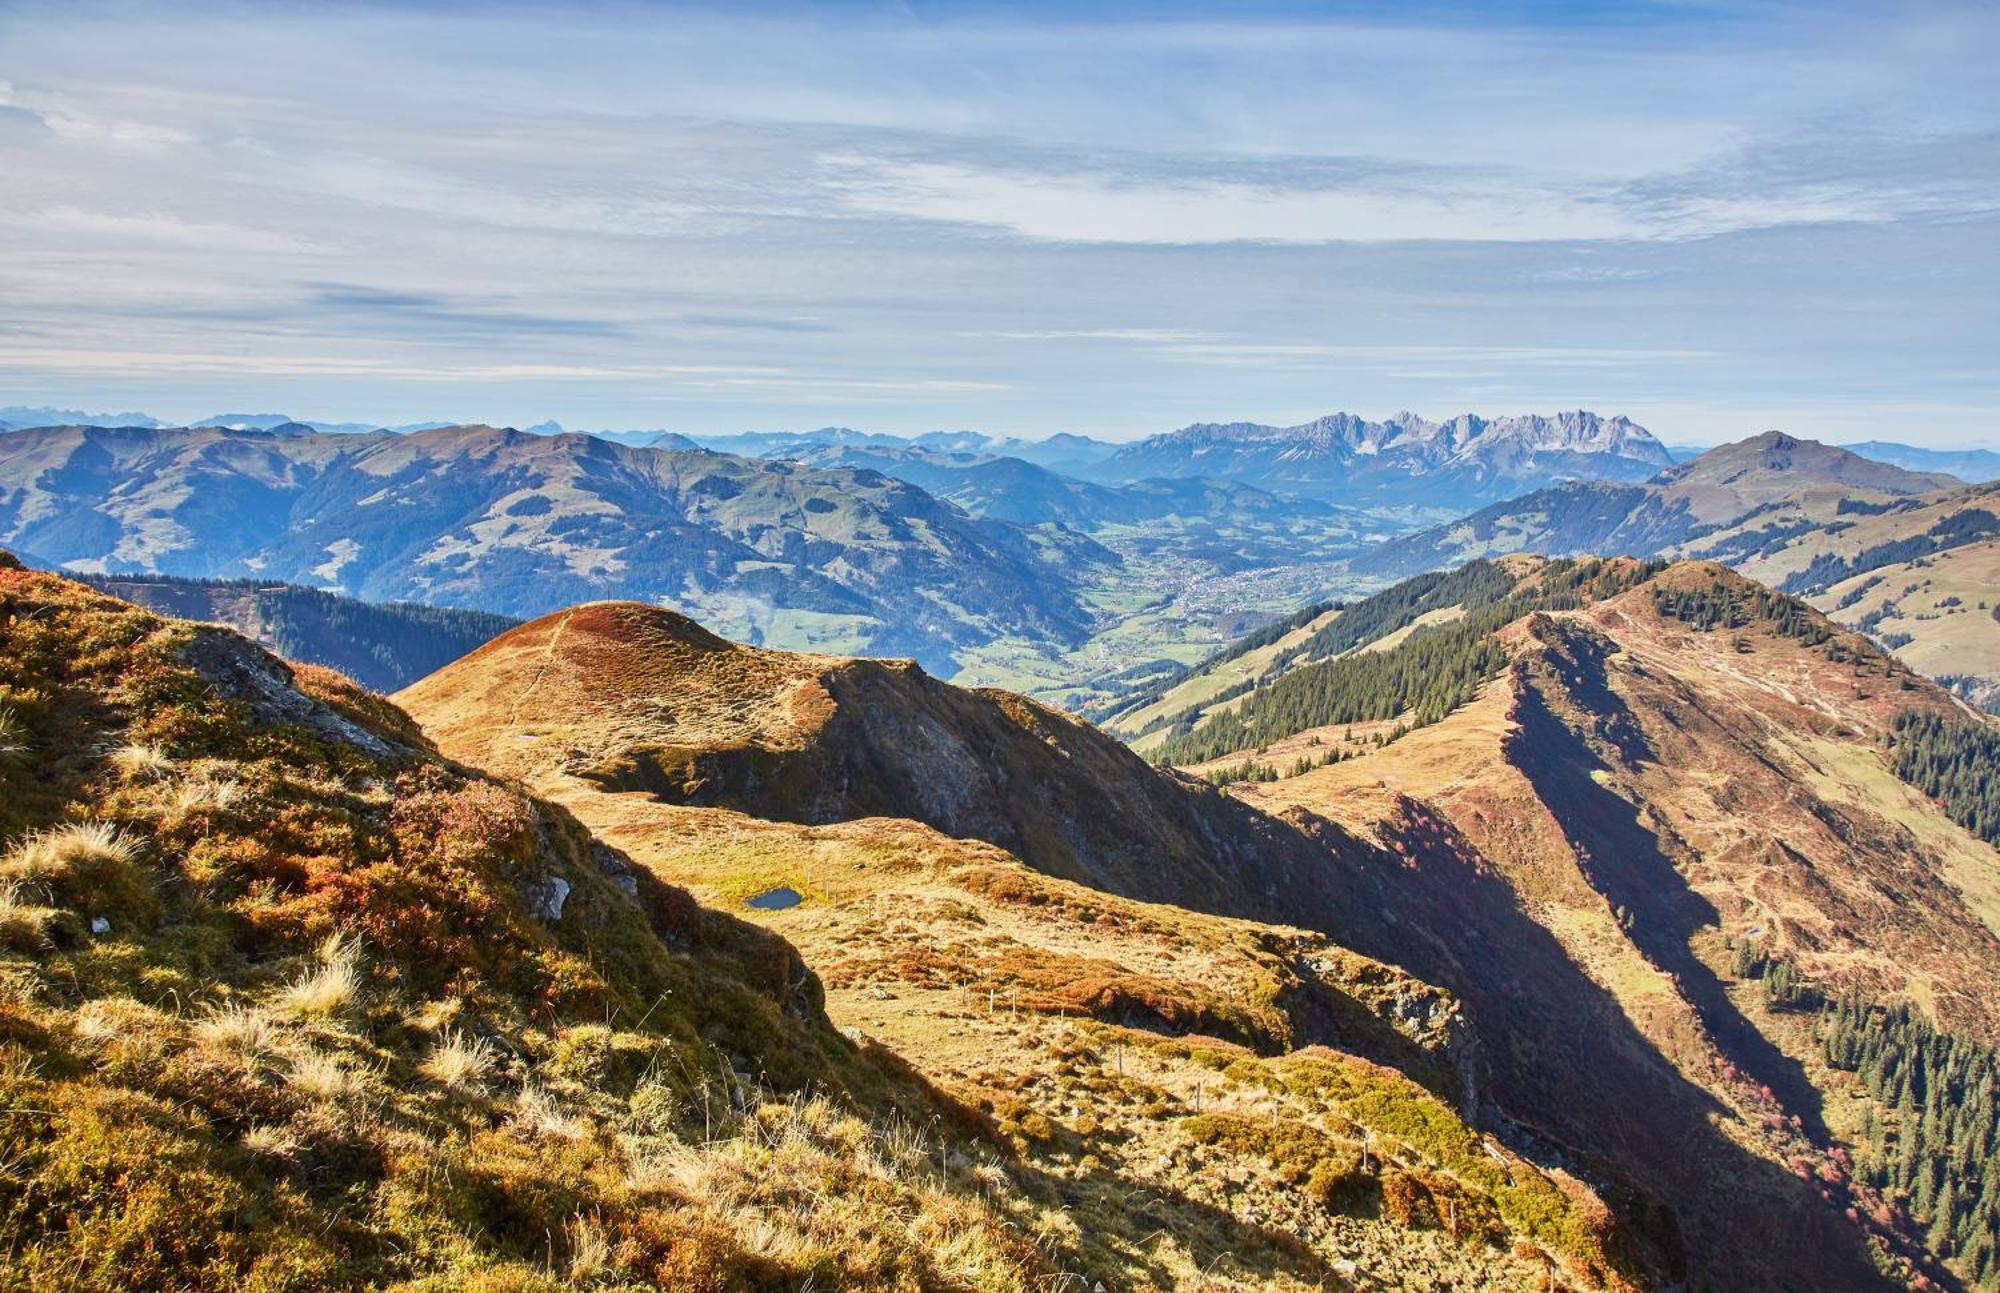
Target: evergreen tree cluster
(1248,770)
(1426,676)
(1724,605)
(1960,528)
(1936,1144)
(1785,987)
(1955,761)
(1473,585)
(383,646)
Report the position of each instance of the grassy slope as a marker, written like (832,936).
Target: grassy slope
(287,1001)
(1041,1000)
(1650,794)
(283,1004)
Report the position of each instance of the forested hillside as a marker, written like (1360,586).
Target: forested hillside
(1424,677)
(1957,762)
(382,646)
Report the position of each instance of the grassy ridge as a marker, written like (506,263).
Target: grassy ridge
(1426,676)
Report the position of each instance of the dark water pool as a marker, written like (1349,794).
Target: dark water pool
(777,899)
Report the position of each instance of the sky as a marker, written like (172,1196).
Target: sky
(1715,218)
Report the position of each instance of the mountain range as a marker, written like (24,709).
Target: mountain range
(1014,489)
(1977,465)
(1403,460)
(1071,455)
(1858,536)
(1067,453)
(513,523)
(1073,589)
(1697,508)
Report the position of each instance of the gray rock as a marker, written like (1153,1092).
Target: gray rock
(547,896)
(241,670)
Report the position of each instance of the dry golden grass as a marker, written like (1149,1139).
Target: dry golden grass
(459,1062)
(318,1075)
(50,857)
(239,1029)
(590,1250)
(200,793)
(540,1114)
(328,988)
(139,761)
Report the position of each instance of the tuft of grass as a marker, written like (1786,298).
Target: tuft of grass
(267,1141)
(13,737)
(239,1030)
(91,867)
(541,1116)
(24,924)
(590,1254)
(48,856)
(329,989)
(111,1021)
(318,1075)
(138,761)
(459,1062)
(201,794)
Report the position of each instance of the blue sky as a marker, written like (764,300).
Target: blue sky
(1715,218)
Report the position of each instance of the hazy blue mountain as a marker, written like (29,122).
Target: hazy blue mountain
(275,421)
(1013,489)
(1065,453)
(25,415)
(1967,464)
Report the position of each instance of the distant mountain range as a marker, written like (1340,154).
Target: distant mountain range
(1072,455)
(14,416)
(1699,508)
(1403,460)
(1015,489)
(514,523)
(1975,465)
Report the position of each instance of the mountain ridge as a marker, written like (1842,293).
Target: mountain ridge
(519,524)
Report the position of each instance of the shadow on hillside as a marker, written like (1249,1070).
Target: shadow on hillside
(1623,861)
(1566,1062)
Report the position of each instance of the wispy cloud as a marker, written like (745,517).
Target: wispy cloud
(1025,220)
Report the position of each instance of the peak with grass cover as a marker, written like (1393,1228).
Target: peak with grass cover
(289,1001)
(1858,537)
